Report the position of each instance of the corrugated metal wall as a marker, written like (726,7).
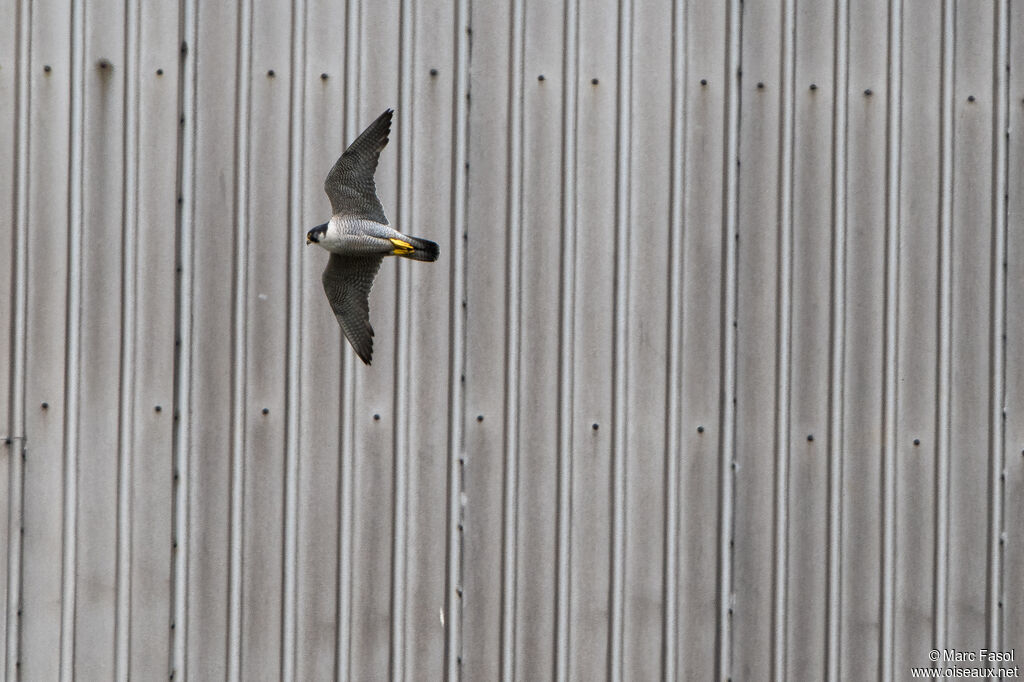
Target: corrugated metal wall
(719,375)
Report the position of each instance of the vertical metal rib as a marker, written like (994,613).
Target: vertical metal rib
(730,283)
(513,294)
(73,344)
(19,331)
(122,622)
(182,437)
(236,511)
(347,421)
(674,387)
(620,366)
(945,330)
(837,341)
(570,69)
(997,379)
(783,386)
(456,353)
(406,217)
(892,280)
(293,388)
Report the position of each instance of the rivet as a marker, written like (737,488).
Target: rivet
(376,417)
(45,405)
(433,72)
(594,426)
(157,409)
(700,429)
(868,92)
(266,410)
(917,441)
(479,417)
(703,81)
(159,72)
(593,81)
(47,68)
(270,73)
(814,86)
(184,48)
(103,63)
(540,77)
(323,76)
(760,86)
(810,437)
(7,441)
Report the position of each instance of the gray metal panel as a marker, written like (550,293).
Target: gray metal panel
(760,248)
(864,340)
(47,262)
(574,348)
(918,343)
(209,544)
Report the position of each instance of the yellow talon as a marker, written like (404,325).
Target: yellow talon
(402,248)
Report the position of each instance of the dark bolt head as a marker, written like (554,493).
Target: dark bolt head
(760,86)
(104,63)
(266,410)
(159,72)
(270,73)
(868,93)
(917,441)
(814,86)
(45,405)
(703,81)
(593,81)
(810,437)
(323,76)
(433,72)
(479,417)
(594,426)
(700,429)
(376,417)
(540,77)
(47,68)
(970,98)
(158,409)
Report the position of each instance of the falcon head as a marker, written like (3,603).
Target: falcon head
(314,235)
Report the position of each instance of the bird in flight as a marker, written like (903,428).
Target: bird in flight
(358,236)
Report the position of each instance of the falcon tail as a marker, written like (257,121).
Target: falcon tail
(422,249)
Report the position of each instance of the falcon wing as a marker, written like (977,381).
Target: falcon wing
(347,281)
(349,185)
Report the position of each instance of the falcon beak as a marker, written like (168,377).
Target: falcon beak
(308,240)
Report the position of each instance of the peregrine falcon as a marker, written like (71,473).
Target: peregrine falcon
(358,236)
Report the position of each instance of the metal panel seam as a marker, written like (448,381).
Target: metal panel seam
(570,69)
(783,385)
(891,378)
(513,295)
(182,435)
(73,344)
(945,332)
(620,359)
(122,621)
(19,332)
(456,352)
(236,508)
(838,340)
(406,217)
(1000,181)
(347,421)
(293,388)
(673,389)
(730,285)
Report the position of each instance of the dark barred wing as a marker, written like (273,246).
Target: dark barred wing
(350,185)
(347,281)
